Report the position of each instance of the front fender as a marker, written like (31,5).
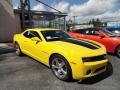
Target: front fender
(75,62)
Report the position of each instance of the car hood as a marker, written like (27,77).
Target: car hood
(82,47)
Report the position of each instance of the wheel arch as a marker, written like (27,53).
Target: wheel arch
(62,55)
(52,56)
(15,42)
(116,48)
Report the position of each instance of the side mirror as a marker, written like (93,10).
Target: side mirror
(36,39)
(101,35)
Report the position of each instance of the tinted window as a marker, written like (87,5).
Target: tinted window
(87,31)
(81,31)
(92,31)
(30,34)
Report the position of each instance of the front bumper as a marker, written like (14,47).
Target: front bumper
(94,68)
(89,69)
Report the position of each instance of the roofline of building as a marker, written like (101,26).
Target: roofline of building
(40,12)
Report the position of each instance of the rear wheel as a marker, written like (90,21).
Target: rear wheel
(118,51)
(61,68)
(18,50)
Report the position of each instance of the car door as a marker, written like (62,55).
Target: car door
(101,37)
(93,34)
(107,41)
(25,42)
(38,50)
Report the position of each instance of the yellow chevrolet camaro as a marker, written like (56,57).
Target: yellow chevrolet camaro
(67,57)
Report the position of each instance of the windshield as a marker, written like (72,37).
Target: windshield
(53,35)
(110,32)
(114,30)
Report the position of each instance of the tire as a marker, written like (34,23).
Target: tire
(118,51)
(18,50)
(61,68)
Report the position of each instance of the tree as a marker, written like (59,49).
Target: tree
(96,23)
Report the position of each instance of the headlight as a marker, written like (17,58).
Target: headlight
(94,58)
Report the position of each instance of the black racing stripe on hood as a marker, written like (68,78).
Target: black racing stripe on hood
(91,43)
(80,42)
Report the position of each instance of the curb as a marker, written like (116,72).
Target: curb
(6,48)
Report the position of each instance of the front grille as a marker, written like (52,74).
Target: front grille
(94,58)
(99,69)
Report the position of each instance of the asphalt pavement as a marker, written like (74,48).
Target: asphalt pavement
(25,73)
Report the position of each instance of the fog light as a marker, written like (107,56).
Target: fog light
(88,72)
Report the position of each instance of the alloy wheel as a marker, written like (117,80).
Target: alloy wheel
(59,68)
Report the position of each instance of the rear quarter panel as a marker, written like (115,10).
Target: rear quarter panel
(16,37)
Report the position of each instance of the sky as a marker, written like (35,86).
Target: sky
(84,10)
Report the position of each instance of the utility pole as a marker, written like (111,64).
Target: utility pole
(74,21)
(25,6)
(74,18)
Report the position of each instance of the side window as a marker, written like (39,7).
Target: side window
(30,34)
(93,32)
(25,34)
(87,31)
(81,31)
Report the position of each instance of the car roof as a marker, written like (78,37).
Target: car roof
(92,28)
(42,29)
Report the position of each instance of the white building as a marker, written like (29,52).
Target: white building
(114,23)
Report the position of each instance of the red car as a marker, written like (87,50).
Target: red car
(102,35)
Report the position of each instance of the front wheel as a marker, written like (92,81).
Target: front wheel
(60,68)
(118,51)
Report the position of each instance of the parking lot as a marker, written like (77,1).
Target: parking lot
(24,73)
